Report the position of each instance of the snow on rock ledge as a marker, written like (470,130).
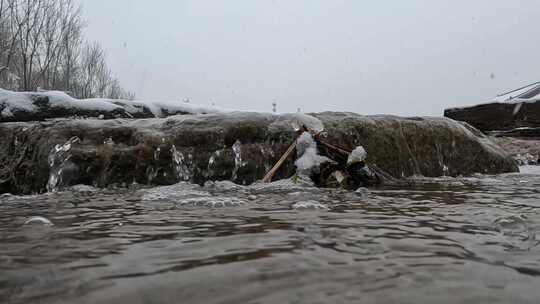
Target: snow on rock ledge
(499,116)
(36,106)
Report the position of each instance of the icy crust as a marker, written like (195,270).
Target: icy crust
(357,155)
(296,121)
(308,159)
(29,102)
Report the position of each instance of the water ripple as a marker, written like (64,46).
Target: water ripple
(468,239)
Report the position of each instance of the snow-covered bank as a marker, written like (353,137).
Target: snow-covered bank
(499,116)
(528,94)
(516,111)
(34,106)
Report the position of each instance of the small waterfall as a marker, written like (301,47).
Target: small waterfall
(210,169)
(238,163)
(182,165)
(58,157)
(440,156)
(157,153)
(268,154)
(151,174)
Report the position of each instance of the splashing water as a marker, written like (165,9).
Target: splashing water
(157,153)
(182,165)
(517,107)
(238,163)
(211,168)
(58,157)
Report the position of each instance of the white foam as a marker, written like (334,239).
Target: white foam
(174,192)
(212,202)
(222,185)
(83,188)
(309,205)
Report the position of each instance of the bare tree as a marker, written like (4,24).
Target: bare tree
(62,18)
(41,45)
(9,30)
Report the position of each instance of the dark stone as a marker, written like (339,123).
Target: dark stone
(429,147)
(121,152)
(498,116)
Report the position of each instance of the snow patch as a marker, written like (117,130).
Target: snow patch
(11,102)
(6,113)
(309,160)
(517,96)
(357,155)
(296,121)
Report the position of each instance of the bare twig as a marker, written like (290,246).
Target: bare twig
(268,177)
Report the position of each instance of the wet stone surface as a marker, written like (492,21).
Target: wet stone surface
(240,147)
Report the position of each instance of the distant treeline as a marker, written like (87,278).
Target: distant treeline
(42,46)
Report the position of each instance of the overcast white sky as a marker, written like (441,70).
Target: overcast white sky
(412,57)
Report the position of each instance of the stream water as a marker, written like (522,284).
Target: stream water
(444,240)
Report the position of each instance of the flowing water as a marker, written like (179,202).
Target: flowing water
(445,240)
